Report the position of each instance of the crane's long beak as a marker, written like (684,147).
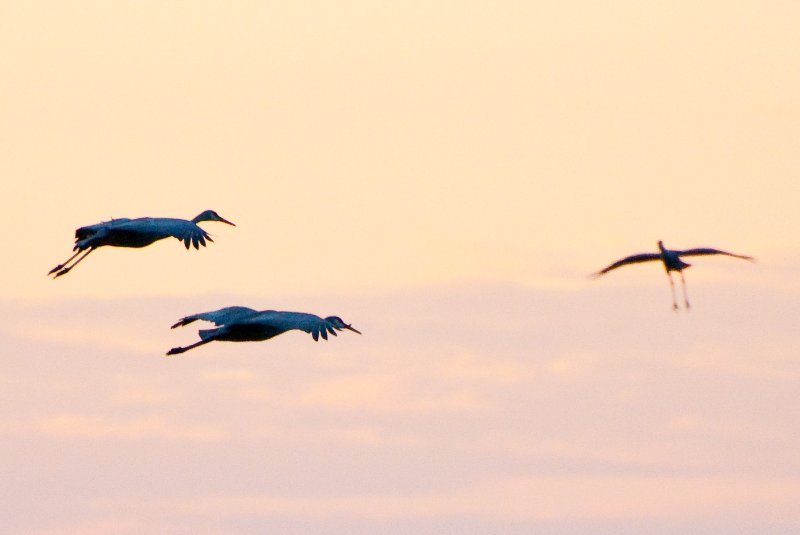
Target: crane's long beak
(350,328)
(223,220)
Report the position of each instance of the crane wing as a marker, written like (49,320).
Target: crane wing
(218,317)
(703,251)
(633,259)
(150,229)
(163,227)
(287,321)
(140,232)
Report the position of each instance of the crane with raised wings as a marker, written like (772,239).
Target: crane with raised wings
(671,260)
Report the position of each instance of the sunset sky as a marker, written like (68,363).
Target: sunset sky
(444,176)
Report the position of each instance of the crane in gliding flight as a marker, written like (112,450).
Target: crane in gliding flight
(137,233)
(242,324)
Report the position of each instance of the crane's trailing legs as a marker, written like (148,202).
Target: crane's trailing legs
(672,289)
(685,296)
(65,270)
(67,261)
(179,350)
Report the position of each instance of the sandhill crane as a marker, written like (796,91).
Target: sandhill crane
(139,232)
(242,324)
(671,258)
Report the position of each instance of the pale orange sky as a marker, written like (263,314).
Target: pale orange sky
(397,145)
(444,176)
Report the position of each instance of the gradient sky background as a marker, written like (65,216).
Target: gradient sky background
(444,176)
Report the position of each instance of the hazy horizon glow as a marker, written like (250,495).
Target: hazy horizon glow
(491,406)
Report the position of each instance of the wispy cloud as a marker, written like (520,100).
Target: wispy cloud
(116,524)
(81,426)
(535,497)
(383,393)
(144,396)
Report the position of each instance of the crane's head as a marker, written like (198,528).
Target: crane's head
(660,245)
(338,323)
(211,215)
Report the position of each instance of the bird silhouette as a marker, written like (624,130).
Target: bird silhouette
(671,259)
(136,233)
(242,324)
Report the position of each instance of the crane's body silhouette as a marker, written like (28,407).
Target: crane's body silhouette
(671,259)
(242,324)
(137,233)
